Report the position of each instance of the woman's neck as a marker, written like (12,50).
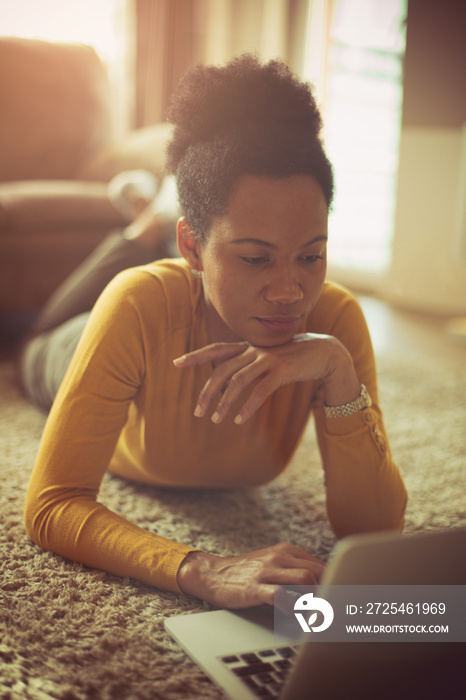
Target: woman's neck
(217,330)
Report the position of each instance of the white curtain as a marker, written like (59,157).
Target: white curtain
(270,28)
(173,35)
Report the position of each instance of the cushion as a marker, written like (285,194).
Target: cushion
(48,205)
(143,149)
(55,108)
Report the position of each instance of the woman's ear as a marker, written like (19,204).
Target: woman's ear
(188,244)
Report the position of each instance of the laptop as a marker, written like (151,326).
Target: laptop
(241,654)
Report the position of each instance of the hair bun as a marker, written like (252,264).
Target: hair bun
(212,100)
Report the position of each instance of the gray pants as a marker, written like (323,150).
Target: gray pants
(48,351)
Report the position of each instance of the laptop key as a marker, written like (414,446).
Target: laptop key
(265,678)
(250,658)
(230,659)
(280,675)
(252,669)
(264,671)
(267,652)
(263,692)
(260,691)
(286,652)
(274,688)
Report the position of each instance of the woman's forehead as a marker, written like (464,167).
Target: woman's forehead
(271,209)
(252,191)
(262,197)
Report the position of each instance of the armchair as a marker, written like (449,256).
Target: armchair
(57,153)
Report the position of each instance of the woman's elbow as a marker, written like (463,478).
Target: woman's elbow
(393,511)
(32,519)
(37,514)
(387,515)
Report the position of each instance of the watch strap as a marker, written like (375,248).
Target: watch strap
(347,409)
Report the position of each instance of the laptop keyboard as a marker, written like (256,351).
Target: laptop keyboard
(263,672)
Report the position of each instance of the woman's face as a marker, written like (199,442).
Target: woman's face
(263,264)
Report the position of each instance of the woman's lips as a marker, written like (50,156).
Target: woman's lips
(279,324)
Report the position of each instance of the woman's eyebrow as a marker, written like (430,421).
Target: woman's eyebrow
(267,244)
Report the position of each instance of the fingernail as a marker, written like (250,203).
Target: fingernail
(198,411)
(179,360)
(216,417)
(238,419)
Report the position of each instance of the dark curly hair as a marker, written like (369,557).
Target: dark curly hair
(245,118)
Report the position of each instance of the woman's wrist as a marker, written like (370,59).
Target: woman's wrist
(342,384)
(190,574)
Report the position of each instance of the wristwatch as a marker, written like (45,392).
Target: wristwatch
(347,409)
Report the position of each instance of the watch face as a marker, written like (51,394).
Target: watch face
(365,396)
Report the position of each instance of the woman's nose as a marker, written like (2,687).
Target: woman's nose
(283,287)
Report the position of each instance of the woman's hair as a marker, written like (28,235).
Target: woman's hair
(245,118)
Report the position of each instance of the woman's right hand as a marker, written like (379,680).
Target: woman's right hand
(249,579)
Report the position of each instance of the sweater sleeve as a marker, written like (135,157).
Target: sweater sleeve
(62,513)
(364,489)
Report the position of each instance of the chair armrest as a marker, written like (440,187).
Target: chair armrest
(53,204)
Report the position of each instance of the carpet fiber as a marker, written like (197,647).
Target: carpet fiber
(70,633)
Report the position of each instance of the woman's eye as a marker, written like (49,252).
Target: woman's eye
(311,258)
(254,260)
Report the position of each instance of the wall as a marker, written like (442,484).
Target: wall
(428,271)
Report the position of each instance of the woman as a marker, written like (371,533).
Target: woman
(203,372)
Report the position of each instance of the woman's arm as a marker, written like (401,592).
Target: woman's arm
(62,513)
(364,488)
(365,491)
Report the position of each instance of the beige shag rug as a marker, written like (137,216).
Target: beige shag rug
(70,633)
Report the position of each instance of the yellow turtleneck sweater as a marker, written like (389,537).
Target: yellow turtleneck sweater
(124,406)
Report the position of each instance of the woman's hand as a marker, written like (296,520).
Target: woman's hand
(239,365)
(249,579)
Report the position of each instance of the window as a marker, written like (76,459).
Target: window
(362,110)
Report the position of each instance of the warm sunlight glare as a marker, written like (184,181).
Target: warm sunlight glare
(363,101)
(87,21)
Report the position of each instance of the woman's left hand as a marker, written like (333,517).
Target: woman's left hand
(237,366)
